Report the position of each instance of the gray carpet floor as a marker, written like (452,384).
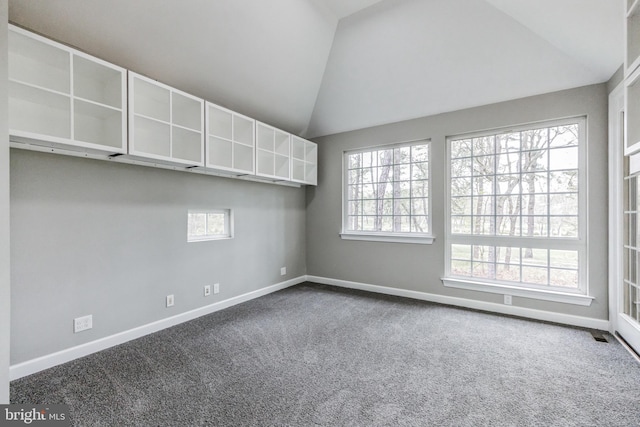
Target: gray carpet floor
(319,355)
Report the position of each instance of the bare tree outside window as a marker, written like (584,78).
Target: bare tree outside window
(514,185)
(387,189)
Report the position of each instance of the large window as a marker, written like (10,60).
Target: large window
(517,207)
(386,193)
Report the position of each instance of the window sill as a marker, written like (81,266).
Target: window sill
(389,238)
(540,294)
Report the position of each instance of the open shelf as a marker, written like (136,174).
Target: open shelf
(38,111)
(97,82)
(96,124)
(150,137)
(38,62)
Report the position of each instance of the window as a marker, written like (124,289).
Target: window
(209,225)
(386,193)
(517,207)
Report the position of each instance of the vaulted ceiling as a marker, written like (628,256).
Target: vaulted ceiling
(317,67)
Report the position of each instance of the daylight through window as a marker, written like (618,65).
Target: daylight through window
(209,225)
(516,206)
(387,190)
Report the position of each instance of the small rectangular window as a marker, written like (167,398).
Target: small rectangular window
(209,225)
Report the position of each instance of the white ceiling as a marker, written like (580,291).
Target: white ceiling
(316,67)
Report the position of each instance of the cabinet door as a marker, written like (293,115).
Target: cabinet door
(304,160)
(61,97)
(230,145)
(165,124)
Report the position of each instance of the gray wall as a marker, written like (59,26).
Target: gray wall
(107,239)
(420,267)
(615,79)
(4,213)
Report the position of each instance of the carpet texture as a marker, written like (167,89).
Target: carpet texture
(319,355)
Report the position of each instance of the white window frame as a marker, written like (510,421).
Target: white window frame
(578,296)
(228,225)
(381,236)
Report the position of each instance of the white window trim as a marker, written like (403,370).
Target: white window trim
(519,291)
(581,295)
(228,225)
(417,238)
(388,237)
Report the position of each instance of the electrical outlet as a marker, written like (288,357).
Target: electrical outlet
(283,271)
(216,288)
(170,300)
(507,299)
(82,323)
(207,290)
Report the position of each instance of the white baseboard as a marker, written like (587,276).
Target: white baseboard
(549,316)
(35,365)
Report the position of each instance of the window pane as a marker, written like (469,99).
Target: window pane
(535,275)
(563,158)
(564,259)
(461,252)
(461,148)
(461,224)
(523,184)
(461,268)
(390,188)
(215,223)
(564,278)
(461,167)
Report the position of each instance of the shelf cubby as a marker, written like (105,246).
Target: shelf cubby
(632,113)
(39,112)
(186,145)
(93,81)
(632,36)
(273,152)
(304,158)
(97,124)
(165,124)
(61,97)
(230,141)
(36,61)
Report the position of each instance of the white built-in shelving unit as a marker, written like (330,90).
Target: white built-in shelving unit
(64,101)
(632,77)
(61,97)
(165,124)
(273,152)
(230,141)
(304,161)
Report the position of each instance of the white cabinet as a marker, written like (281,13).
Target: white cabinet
(61,97)
(304,161)
(273,153)
(632,36)
(230,141)
(632,80)
(165,124)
